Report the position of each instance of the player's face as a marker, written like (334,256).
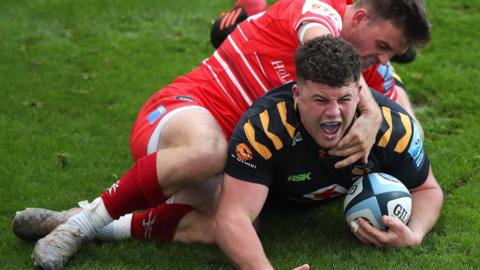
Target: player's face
(326,112)
(376,41)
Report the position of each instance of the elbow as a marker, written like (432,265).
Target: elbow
(221,223)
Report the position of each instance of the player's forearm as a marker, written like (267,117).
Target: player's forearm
(427,205)
(239,241)
(367,105)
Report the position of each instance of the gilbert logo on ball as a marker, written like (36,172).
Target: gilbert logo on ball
(375,195)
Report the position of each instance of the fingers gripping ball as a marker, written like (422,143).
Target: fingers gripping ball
(375,195)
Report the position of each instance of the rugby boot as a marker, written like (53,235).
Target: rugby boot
(252,7)
(55,250)
(32,224)
(225,24)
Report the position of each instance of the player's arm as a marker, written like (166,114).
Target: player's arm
(239,205)
(427,200)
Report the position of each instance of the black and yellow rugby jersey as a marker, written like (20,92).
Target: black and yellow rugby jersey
(270,146)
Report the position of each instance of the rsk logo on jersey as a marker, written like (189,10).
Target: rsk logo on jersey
(243,152)
(321,8)
(300,177)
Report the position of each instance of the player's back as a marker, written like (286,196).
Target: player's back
(259,54)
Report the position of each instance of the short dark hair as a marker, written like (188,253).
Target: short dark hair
(327,60)
(408,15)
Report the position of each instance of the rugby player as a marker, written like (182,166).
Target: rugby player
(179,139)
(380,76)
(288,132)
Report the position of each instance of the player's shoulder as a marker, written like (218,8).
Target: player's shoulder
(271,121)
(271,100)
(398,133)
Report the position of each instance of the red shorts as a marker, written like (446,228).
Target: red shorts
(175,98)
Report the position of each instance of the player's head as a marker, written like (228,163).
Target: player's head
(379,29)
(327,90)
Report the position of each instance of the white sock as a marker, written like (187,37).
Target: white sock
(116,230)
(92,218)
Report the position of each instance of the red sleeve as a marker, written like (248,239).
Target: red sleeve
(380,78)
(329,13)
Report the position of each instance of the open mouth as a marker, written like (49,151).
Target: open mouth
(330,128)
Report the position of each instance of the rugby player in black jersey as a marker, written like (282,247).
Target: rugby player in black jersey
(281,143)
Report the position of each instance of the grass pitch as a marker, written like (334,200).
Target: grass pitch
(75,73)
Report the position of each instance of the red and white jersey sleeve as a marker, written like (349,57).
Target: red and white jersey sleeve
(259,54)
(380,77)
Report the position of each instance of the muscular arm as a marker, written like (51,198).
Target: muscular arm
(427,201)
(239,204)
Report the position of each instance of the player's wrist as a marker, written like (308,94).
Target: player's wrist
(416,239)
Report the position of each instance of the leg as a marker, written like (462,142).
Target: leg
(32,224)
(191,149)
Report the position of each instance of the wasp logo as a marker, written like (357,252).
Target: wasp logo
(360,170)
(243,152)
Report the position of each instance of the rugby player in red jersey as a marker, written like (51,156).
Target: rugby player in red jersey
(179,140)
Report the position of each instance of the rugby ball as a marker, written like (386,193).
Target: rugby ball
(375,195)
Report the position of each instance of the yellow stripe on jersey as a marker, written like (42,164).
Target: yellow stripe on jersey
(265,119)
(387,114)
(403,142)
(260,148)
(282,109)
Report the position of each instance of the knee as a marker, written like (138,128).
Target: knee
(209,156)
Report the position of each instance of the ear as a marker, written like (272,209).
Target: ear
(360,17)
(296,93)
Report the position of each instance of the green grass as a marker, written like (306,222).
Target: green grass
(75,73)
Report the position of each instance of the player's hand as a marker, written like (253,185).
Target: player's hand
(398,234)
(357,143)
(303,267)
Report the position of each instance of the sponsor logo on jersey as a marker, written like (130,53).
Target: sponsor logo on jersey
(321,8)
(416,146)
(184,98)
(300,177)
(154,115)
(243,152)
(326,193)
(249,164)
(362,169)
(282,73)
(297,138)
